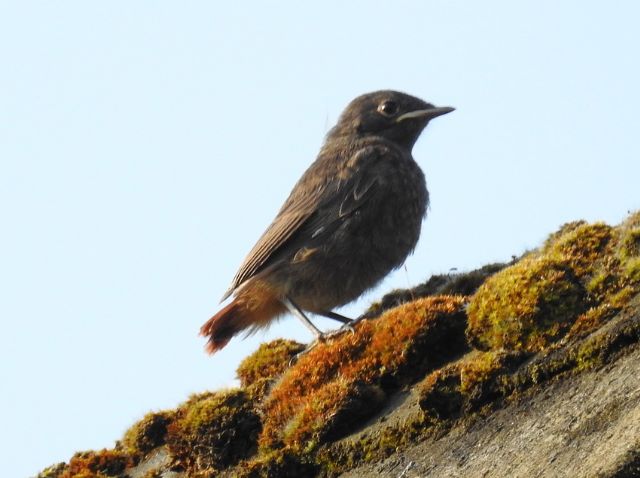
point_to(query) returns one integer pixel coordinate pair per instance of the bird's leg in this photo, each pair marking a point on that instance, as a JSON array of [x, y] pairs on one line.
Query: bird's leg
[[346, 321], [335, 316], [296, 311]]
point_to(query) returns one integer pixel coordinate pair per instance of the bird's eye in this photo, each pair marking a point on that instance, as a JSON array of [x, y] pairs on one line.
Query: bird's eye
[[388, 108]]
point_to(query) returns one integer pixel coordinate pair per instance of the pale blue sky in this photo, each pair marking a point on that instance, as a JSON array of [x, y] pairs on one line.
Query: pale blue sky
[[144, 146]]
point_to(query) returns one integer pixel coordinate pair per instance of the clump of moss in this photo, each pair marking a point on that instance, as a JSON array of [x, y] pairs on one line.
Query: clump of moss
[[331, 411], [562, 230], [440, 394], [592, 319], [582, 247], [276, 464], [579, 279], [346, 376], [597, 349], [630, 243], [53, 471], [629, 250], [147, 434], [213, 431], [98, 464], [631, 272], [526, 306], [258, 390], [465, 386], [269, 361], [482, 368], [338, 457]]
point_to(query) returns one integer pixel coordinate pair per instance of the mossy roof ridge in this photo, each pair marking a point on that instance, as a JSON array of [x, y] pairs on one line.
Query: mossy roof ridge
[[596, 401], [572, 305], [463, 393]]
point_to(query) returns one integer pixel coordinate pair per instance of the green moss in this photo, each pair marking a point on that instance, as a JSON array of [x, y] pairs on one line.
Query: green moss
[[53, 471], [336, 458], [213, 431], [465, 386], [276, 464], [630, 244], [259, 390], [440, 393], [617, 276], [582, 247], [535, 302], [631, 271], [526, 306], [147, 434], [269, 361], [592, 319], [602, 283], [565, 229], [589, 355], [480, 369], [596, 350]]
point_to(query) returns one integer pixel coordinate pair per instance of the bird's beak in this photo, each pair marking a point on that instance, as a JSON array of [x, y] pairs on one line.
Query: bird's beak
[[427, 114]]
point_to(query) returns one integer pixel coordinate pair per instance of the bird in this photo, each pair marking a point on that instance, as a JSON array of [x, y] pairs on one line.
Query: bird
[[353, 217]]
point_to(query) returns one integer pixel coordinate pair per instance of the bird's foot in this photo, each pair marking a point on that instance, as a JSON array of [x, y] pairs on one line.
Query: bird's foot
[[323, 337], [347, 327]]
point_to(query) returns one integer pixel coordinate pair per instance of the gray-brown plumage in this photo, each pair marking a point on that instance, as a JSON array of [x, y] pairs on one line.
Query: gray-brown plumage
[[353, 216]]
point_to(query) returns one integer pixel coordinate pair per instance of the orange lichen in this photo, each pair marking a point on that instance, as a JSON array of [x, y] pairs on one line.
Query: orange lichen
[[97, 464], [400, 346]]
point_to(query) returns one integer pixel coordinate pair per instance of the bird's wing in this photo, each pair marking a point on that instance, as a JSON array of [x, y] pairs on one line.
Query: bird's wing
[[283, 226], [317, 201]]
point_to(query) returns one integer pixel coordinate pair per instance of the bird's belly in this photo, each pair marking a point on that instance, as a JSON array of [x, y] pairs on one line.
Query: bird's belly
[[360, 253]]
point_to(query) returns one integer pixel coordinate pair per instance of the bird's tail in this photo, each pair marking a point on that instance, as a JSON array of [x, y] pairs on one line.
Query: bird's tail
[[253, 308]]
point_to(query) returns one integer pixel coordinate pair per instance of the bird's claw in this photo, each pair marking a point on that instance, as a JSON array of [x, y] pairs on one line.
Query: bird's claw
[[304, 352], [345, 328], [348, 327]]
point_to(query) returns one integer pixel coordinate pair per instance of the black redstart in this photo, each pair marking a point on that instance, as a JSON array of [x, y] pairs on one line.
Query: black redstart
[[353, 216]]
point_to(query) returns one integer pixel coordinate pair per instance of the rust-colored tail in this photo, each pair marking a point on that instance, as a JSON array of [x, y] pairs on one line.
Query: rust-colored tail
[[253, 308]]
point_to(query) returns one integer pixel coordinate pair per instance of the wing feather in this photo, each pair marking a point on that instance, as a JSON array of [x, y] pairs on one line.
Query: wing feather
[[318, 200], [293, 214]]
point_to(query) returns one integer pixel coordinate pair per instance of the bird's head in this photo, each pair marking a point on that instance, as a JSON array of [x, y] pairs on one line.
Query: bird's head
[[393, 115]]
